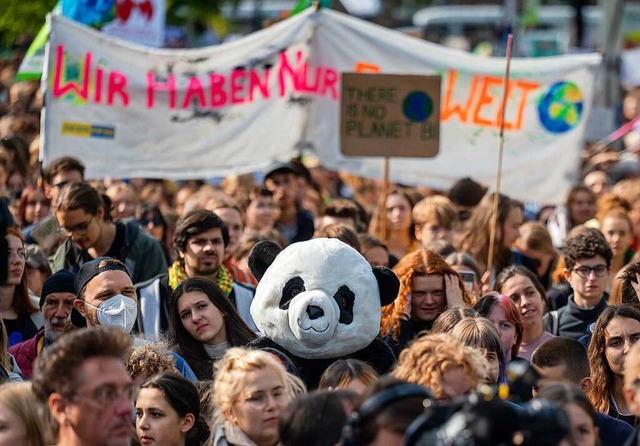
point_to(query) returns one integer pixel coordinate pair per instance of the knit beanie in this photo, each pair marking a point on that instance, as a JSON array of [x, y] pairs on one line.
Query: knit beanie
[[60, 282]]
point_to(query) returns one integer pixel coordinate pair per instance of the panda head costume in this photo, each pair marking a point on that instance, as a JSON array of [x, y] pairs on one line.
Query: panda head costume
[[320, 298]]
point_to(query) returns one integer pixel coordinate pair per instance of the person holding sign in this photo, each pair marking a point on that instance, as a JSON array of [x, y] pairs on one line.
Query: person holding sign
[[475, 239]]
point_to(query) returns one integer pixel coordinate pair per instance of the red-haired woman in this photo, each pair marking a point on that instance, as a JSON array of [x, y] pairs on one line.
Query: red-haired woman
[[22, 319], [428, 286], [32, 208]]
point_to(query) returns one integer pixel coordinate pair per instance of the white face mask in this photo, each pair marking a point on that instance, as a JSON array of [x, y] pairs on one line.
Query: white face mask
[[118, 311]]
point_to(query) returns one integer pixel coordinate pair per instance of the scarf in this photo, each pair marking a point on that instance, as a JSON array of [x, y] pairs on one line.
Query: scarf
[[177, 275], [230, 434]]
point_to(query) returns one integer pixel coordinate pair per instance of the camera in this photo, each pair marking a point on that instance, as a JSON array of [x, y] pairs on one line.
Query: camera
[[489, 418]]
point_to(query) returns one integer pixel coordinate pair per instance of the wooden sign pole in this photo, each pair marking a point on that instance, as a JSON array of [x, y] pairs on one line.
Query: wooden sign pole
[[496, 198], [382, 206]]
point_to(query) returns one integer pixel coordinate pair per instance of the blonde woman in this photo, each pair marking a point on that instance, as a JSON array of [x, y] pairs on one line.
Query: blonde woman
[[148, 360], [481, 334], [22, 416], [250, 390], [443, 364]]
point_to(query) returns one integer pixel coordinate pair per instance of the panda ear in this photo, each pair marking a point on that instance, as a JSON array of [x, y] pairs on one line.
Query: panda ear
[[388, 284], [261, 257]]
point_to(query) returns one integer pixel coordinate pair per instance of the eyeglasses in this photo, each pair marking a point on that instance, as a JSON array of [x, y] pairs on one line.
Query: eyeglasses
[[79, 228], [18, 254], [584, 271], [107, 394]]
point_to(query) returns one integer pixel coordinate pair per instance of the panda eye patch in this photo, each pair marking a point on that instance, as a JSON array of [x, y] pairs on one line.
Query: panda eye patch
[[345, 298], [292, 288]]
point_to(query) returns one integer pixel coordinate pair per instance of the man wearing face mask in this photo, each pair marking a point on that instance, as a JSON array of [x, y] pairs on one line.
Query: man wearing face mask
[[56, 303], [107, 297]]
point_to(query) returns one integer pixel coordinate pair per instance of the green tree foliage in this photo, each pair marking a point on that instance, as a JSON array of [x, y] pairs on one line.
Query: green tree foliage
[[198, 14], [22, 18]]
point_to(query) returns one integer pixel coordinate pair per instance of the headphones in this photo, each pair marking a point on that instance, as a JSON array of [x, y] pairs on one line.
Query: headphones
[[375, 404]]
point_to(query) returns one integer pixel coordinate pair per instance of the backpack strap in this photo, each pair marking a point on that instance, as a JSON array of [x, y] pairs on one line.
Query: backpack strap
[[555, 323]]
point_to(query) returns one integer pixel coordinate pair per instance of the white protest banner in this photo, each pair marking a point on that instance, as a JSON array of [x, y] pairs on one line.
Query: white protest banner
[[128, 111], [630, 68], [548, 102]]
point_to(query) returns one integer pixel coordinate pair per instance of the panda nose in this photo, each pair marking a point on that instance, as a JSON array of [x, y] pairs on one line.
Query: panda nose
[[314, 312]]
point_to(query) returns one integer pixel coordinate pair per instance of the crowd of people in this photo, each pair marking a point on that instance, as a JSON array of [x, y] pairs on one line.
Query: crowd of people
[[126, 310]]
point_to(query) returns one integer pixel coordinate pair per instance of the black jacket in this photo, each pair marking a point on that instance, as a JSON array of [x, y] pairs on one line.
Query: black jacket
[[141, 254], [572, 321], [377, 354]]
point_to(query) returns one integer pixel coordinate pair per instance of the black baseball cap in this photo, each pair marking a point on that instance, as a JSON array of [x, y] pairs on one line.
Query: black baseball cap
[[87, 272], [91, 269]]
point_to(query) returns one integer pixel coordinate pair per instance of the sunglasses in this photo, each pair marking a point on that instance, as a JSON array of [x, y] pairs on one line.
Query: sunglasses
[[154, 221]]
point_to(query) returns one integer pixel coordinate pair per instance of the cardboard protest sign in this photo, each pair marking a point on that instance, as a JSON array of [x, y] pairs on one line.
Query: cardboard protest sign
[[390, 115], [46, 231]]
